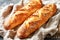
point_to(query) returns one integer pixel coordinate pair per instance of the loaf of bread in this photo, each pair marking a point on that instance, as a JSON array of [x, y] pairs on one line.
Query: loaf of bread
[[36, 20], [19, 16]]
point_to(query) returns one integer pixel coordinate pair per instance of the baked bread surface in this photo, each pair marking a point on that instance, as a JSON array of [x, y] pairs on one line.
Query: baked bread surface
[[35, 21], [19, 16]]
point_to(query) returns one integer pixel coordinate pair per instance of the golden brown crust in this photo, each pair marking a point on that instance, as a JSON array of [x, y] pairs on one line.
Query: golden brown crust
[[35, 21], [18, 17]]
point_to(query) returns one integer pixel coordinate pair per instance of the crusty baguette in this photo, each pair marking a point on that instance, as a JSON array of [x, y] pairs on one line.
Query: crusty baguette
[[18, 17], [35, 21]]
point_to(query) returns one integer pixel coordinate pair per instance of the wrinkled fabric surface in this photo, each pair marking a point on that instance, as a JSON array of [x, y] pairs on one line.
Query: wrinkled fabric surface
[[51, 27]]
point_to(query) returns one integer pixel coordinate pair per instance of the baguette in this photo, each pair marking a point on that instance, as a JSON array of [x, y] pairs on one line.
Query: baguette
[[35, 21], [23, 13]]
